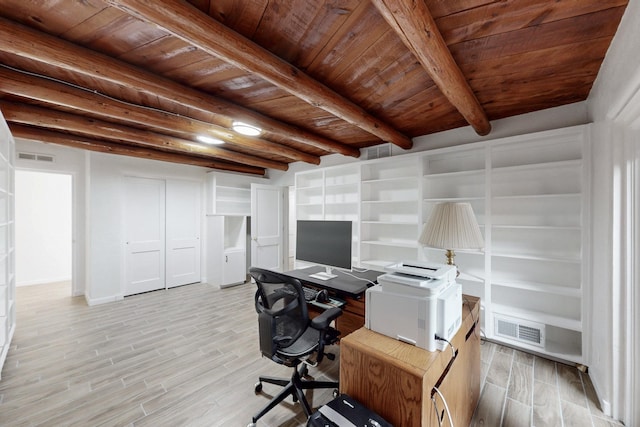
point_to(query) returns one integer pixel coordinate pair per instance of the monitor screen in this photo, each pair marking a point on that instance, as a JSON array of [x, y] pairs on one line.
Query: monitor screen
[[324, 242]]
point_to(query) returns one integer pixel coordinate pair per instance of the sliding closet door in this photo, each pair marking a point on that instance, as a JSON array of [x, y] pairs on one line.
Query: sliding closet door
[[144, 222], [183, 232]]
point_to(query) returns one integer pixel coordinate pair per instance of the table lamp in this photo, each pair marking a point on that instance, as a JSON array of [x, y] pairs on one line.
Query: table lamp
[[452, 226]]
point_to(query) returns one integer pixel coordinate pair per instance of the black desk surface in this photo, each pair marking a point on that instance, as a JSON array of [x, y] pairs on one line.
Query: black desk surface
[[344, 284]]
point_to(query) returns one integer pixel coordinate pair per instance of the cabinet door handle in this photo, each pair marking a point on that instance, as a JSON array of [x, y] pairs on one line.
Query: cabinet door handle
[[226, 258]]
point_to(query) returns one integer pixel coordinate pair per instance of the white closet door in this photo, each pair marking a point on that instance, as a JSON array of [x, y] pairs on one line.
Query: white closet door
[[183, 232], [145, 234], [267, 227]]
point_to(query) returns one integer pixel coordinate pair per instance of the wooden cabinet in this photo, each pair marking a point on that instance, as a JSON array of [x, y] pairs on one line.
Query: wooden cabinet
[[352, 317], [7, 241], [397, 380], [353, 309]]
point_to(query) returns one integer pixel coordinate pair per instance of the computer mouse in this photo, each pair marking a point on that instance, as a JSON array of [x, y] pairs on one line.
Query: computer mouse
[[322, 296]]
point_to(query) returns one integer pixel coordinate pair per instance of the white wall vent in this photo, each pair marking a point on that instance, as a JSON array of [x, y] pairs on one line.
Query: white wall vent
[[519, 330], [376, 152], [36, 157]]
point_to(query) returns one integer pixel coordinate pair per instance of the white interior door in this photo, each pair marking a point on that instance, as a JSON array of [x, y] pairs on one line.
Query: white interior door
[[144, 234], [267, 227], [183, 232]]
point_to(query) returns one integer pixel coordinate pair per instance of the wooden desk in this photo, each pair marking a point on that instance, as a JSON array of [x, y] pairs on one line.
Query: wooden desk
[[396, 379], [345, 287]]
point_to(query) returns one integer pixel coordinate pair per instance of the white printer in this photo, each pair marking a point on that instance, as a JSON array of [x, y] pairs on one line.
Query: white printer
[[414, 302]]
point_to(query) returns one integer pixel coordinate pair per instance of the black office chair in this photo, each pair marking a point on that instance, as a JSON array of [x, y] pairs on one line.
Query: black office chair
[[289, 337]]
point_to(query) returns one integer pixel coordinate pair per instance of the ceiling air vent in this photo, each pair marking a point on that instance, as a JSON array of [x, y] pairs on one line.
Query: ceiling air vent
[[376, 152], [36, 157], [519, 330]]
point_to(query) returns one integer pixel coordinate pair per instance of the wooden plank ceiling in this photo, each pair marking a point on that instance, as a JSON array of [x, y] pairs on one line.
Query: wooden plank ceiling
[[146, 77]]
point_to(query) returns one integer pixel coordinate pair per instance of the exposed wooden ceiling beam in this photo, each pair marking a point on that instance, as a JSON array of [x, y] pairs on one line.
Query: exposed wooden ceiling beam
[[413, 22], [52, 119], [198, 29], [49, 137], [25, 42], [54, 93]]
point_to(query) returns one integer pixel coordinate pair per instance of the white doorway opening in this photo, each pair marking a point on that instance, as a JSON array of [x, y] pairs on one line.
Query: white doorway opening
[[44, 224]]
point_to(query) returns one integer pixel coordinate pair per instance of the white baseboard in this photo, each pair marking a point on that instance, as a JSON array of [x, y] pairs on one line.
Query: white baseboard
[[604, 404], [104, 300], [44, 281]]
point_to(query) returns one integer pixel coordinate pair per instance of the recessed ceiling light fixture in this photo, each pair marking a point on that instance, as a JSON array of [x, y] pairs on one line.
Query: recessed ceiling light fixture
[[246, 129], [209, 140]]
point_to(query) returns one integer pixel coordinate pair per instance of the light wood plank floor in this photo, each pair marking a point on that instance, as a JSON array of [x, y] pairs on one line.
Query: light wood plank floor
[[520, 389], [189, 356]]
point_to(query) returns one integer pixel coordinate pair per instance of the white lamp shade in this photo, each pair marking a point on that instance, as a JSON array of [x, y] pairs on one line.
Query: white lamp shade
[[452, 226]]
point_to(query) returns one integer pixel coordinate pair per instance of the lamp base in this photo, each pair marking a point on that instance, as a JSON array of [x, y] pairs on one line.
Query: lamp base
[[451, 255]]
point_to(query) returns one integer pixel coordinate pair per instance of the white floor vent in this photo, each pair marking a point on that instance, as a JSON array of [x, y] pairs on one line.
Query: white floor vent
[[36, 157], [519, 330]]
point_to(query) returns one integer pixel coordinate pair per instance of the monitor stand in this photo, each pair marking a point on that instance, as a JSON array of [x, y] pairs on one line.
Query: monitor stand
[[324, 275]]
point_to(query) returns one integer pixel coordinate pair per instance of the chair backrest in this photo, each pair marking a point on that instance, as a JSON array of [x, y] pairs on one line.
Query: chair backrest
[[282, 310]]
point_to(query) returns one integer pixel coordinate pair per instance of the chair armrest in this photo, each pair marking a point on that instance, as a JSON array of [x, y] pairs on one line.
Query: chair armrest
[[322, 321]]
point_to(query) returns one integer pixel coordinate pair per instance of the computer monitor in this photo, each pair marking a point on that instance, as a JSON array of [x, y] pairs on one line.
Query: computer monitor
[[326, 243]]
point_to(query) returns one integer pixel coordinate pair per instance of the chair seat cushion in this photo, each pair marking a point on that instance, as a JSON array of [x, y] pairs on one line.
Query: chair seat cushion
[[306, 344]]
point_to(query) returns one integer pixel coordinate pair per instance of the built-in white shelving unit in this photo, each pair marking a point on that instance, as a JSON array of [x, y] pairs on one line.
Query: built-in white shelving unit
[[331, 194], [538, 235], [458, 175], [310, 195], [390, 211], [528, 193], [7, 241], [228, 212], [228, 196]]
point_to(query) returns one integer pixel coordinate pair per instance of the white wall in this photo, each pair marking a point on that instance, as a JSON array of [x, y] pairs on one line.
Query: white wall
[[43, 227], [614, 107], [552, 118], [619, 77], [614, 91], [70, 161], [105, 195], [98, 209]]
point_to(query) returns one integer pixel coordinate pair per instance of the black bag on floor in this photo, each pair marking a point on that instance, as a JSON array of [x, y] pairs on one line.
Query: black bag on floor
[[343, 411]]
